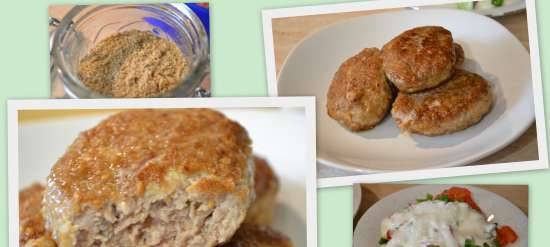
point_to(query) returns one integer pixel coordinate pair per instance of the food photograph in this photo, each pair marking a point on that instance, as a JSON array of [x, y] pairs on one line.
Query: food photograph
[[416, 87], [163, 177], [396, 215], [129, 50]]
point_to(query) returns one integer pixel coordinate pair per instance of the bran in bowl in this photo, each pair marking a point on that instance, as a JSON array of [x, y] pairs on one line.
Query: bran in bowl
[[133, 64]]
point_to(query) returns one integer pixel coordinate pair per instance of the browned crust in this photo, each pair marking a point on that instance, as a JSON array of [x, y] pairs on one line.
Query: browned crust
[[258, 236], [266, 186], [359, 96], [460, 57], [31, 223], [434, 109], [119, 157], [419, 58], [264, 177]]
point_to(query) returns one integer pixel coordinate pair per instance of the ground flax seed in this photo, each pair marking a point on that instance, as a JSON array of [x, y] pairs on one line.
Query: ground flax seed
[[132, 64]]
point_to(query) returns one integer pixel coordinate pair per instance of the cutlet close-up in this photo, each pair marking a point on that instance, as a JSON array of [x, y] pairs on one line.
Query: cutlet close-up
[[160, 177], [152, 177]]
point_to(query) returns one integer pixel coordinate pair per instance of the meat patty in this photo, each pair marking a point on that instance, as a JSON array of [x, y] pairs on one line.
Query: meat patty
[[457, 104], [359, 96], [180, 177], [258, 236], [266, 187], [419, 58]]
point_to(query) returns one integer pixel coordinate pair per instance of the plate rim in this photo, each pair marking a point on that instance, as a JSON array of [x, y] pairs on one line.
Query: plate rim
[[462, 162], [356, 188]]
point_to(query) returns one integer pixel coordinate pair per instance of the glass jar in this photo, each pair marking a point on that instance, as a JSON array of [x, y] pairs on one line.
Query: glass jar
[[84, 26]]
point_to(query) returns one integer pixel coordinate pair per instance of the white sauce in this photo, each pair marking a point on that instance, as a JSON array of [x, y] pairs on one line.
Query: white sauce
[[437, 223]]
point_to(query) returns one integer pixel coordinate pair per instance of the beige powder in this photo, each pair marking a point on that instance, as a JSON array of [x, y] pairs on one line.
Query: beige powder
[[132, 64]]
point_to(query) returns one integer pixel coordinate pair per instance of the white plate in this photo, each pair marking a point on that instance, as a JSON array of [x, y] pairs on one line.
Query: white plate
[[41, 143], [367, 232], [357, 194], [491, 50]]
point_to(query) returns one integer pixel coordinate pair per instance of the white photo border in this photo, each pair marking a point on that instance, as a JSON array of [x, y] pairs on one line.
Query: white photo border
[[13, 106], [542, 163]]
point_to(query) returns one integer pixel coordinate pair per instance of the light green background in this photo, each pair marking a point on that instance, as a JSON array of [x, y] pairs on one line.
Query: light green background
[[238, 69]]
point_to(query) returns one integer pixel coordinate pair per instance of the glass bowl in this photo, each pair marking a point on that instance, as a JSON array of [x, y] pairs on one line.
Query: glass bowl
[[86, 25]]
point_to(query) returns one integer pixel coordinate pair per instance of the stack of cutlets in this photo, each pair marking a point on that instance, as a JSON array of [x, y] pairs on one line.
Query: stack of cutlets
[[418, 76]]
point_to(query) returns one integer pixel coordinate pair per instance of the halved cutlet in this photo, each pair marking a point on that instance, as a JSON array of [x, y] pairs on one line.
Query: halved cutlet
[[152, 177], [33, 234]]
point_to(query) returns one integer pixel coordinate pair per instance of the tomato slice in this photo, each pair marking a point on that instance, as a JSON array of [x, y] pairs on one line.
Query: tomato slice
[[506, 235], [388, 235], [462, 195]]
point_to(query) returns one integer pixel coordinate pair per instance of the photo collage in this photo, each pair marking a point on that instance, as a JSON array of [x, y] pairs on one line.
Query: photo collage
[[412, 114]]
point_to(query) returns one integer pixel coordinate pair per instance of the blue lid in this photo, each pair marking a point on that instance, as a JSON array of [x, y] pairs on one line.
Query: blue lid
[[202, 11]]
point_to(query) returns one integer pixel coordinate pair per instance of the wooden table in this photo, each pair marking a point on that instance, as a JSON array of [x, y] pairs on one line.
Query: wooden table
[[372, 193], [288, 32], [57, 89]]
